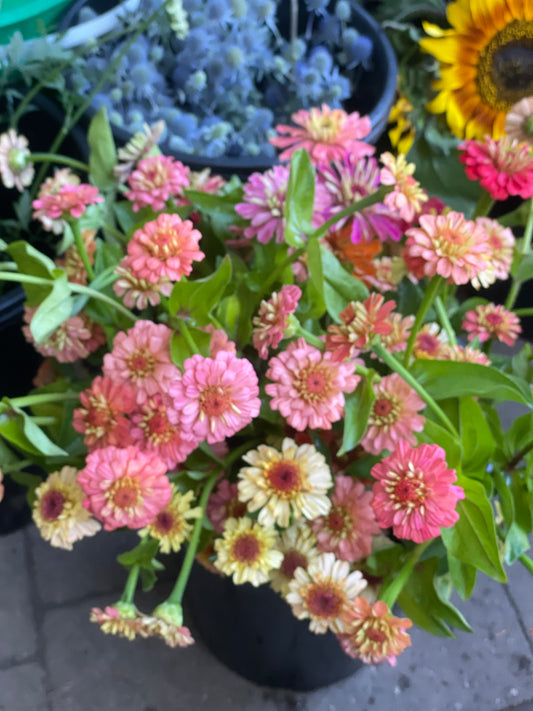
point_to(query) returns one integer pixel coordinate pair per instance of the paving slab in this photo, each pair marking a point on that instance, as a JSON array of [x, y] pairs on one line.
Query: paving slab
[[22, 689], [18, 639]]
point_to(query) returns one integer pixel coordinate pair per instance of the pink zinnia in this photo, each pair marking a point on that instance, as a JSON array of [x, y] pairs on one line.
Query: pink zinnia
[[352, 179], [219, 341], [216, 397], [136, 292], [500, 247], [415, 493], [348, 528], [326, 134], [394, 415], [124, 486], [141, 357], [164, 247], [223, 504], [52, 185], [69, 200], [361, 321], [273, 317], [503, 166], [75, 338], [407, 197], [492, 321], [155, 180], [464, 354], [308, 387], [449, 245], [153, 431], [101, 418]]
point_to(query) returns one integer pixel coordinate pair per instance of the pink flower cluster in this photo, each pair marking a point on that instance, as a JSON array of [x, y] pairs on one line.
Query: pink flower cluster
[[155, 180]]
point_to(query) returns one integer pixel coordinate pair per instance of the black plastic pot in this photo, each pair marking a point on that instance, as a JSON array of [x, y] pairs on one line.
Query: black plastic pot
[[253, 632]]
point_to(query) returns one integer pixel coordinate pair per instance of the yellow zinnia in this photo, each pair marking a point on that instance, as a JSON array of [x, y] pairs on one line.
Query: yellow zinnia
[[486, 61]]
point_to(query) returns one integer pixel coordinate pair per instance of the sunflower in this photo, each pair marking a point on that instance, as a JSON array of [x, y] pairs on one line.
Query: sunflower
[[486, 63]]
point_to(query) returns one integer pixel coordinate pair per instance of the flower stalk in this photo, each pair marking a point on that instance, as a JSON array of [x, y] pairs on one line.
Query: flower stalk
[[430, 295], [390, 591], [524, 251]]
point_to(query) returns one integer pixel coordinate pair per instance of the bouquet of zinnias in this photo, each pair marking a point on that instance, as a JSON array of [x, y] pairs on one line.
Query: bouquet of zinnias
[[279, 376]]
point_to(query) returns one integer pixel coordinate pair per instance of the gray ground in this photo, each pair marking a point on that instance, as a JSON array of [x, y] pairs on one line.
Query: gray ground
[[53, 659]]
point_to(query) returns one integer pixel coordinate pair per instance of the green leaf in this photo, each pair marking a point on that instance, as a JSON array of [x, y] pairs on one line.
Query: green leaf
[[462, 575], [314, 286], [433, 432], [472, 539], [476, 436], [340, 287], [524, 269], [196, 299], [518, 436], [103, 155], [17, 427], [447, 379], [30, 261], [180, 349], [300, 197], [357, 409], [56, 308], [142, 555]]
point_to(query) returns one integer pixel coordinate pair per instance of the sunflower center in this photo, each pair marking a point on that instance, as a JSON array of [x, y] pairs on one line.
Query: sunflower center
[[284, 477], [214, 401], [291, 561], [124, 493], [325, 600], [52, 505], [505, 67], [246, 549]]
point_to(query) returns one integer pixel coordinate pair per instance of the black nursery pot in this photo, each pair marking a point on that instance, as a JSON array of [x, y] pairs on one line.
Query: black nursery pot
[[253, 632]]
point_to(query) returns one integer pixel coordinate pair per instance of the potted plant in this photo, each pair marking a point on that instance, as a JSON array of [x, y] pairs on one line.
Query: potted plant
[[281, 382]]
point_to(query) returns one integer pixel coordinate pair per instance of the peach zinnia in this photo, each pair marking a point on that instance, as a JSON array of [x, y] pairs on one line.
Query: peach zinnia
[[394, 415], [415, 492], [373, 634], [124, 487], [278, 484], [155, 180], [70, 200], [322, 593], [298, 545], [492, 321], [308, 387], [273, 318], [164, 247]]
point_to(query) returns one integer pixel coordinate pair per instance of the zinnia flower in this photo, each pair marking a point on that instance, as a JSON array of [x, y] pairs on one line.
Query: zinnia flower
[[124, 487], [15, 169], [136, 292], [407, 197], [308, 387], [492, 321], [322, 593], [348, 528], [166, 622], [503, 166], [500, 248], [519, 121], [373, 634], [484, 66], [430, 342], [272, 321], [263, 201], [224, 503], [139, 145], [141, 357], [172, 526], [73, 339], [164, 247], [247, 551], [121, 619], [325, 133], [449, 245], [464, 354], [51, 186], [294, 481], [394, 415], [72, 262], [101, 419], [155, 180], [69, 200], [58, 510], [298, 545], [216, 397], [415, 493]]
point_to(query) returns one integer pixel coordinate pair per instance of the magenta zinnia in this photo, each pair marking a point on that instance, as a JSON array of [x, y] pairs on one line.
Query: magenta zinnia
[[308, 387], [124, 487], [415, 492]]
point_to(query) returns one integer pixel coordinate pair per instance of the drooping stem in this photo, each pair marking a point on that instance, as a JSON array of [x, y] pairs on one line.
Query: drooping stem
[[390, 592], [131, 585], [58, 158], [445, 321], [74, 224], [395, 365], [350, 210], [432, 291], [525, 249]]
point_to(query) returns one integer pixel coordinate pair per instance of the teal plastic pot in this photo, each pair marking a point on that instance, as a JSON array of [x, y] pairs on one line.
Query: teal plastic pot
[[28, 17]]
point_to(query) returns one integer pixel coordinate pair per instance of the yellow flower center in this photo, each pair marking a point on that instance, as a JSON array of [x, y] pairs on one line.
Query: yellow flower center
[[386, 410], [324, 128]]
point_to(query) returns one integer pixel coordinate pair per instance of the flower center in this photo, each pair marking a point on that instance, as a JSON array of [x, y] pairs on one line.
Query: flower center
[[428, 344], [313, 384], [284, 477], [52, 505], [338, 521], [376, 635], [407, 489], [505, 66], [157, 427], [164, 244], [246, 549], [494, 319], [100, 418], [165, 523], [140, 364], [323, 128], [17, 159], [325, 600], [124, 493], [385, 410], [291, 561], [215, 401]]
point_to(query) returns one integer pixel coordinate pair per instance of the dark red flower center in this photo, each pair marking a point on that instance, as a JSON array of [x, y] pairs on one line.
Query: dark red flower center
[[52, 505], [246, 548], [215, 401], [284, 477], [291, 561], [324, 600], [164, 522]]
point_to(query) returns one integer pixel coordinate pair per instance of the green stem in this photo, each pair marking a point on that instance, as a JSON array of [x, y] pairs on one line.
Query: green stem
[[367, 201], [57, 158], [524, 250], [181, 583], [431, 293], [44, 420], [278, 271], [131, 584], [16, 466], [392, 590], [520, 312], [309, 337], [517, 457], [484, 206], [397, 367], [445, 321], [74, 224], [42, 399], [184, 331]]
